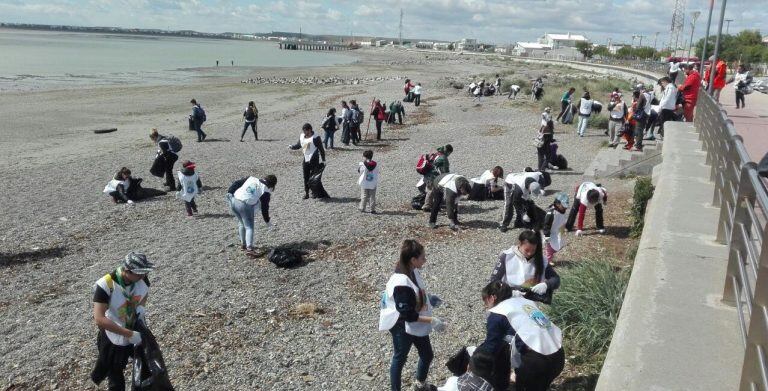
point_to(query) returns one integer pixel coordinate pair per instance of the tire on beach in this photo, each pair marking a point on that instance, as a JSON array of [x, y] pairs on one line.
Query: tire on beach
[[107, 130]]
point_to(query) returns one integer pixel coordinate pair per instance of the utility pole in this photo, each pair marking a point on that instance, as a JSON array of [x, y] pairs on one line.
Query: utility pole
[[694, 16], [401, 27], [678, 21], [728, 26], [655, 38], [641, 40], [706, 37]]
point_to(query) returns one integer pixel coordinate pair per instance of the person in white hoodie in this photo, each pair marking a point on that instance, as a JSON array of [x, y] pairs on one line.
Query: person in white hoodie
[[368, 181], [585, 111], [406, 312], [587, 194], [117, 188], [189, 186], [668, 103]]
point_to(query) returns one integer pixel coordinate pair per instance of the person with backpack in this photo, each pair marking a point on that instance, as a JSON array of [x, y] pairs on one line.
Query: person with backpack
[[251, 117], [535, 342], [368, 181], [565, 101], [640, 108], [379, 114], [617, 114], [439, 164], [741, 81], [668, 102], [518, 189], [588, 194], [167, 155], [553, 239], [244, 195], [189, 186], [448, 188], [119, 301], [198, 117], [355, 121], [406, 312], [330, 126], [117, 188], [396, 109], [524, 266], [313, 153], [585, 111]]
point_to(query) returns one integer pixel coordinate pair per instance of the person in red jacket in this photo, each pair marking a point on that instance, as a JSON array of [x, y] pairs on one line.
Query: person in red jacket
[[719, 83], [690, 90], [378, 113], [407, 89]]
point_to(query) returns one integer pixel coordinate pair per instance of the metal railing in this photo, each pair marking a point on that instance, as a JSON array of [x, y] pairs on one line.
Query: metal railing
[[743, 200]]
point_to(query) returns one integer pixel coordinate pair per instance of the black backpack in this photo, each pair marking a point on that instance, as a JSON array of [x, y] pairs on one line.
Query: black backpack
[[286, 257]]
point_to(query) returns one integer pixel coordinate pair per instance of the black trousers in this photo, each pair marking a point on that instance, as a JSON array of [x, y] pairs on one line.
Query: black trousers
[[563, 107], [438, 197], [417, 99], [310, 168], [538, 371], [378, 129], [664, 116], [673, 77], [513, 204], [739, 98], [544, 152], [111, 362], [191, 206], [170, 160], [253, 127]]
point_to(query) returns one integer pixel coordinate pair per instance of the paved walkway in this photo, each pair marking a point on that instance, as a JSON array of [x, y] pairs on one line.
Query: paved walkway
[[751, 123]]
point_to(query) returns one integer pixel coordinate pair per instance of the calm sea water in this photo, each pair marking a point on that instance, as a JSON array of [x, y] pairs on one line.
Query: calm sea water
[[41, 60]]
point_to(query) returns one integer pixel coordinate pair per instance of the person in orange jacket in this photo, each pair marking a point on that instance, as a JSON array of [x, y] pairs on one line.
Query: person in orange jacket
[[690, 90]]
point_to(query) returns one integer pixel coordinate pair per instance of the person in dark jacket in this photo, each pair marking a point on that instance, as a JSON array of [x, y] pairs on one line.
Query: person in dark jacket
[[546, 135], [243, 197], [165, 148], [396, 109], [406, 312], [251, 118], [379, 114], [330, 126], [314, 155], [198, 117], [448, 188], [524, 266], [565, 101]]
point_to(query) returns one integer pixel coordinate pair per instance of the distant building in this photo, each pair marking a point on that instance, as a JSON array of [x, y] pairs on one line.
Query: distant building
[[530, 49], [765, 40], [425, 45], [614, 47], [503, 50], [466, 45], [556, 41], [443, 46], [486, 47]]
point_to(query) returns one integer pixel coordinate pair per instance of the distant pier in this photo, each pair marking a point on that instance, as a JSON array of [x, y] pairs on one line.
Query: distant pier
[[296, 45]]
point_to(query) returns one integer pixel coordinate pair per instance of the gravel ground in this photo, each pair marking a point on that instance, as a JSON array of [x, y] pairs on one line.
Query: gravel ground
[[226, 321]]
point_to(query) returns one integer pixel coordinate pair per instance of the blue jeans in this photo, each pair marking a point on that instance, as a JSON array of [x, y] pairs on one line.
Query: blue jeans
[[244, 215], [329, 134], [582, 124], [199, 129], [402, 342]]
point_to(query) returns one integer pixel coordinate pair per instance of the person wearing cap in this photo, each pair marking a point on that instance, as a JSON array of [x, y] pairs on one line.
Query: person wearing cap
[[119, 299], [690, 90], [585, 111], [189, 186], [524, 266], [587, 194], [314, 154], [552, 232], [243, 196], [518, 189], [617, 114]]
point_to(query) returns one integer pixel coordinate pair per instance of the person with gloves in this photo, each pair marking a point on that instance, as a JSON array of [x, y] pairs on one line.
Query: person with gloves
[[518, 189], [535, 342], [368, 181], [552, 232], [119, 299], [524, 266], [406, 312], [314, 154], [243, 196], [117, 188], [448, 188], [587, 194]]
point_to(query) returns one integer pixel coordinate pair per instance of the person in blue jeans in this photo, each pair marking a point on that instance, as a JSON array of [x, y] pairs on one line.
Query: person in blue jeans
[[198, 116], [330, 126], [406, 312], [243, 196]]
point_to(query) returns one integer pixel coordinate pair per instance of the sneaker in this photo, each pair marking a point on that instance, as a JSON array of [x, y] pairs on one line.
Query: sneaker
[[578, 232], [432, 225], [453, 227], [423, 387], [373, 212], [503, 228], [601, 231], [204, 136], [306, 196], [242, 141]]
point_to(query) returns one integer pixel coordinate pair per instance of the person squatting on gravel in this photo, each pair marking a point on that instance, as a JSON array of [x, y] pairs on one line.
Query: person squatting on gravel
[[314, 154], [587, 194], [251, 117], [536, 343], [368, 181], [330, 126], [396, 109], [488, 186], [119, 299], [440, 165], [552, 232], [198, 117], [524, 266], [448, 188], [168, 148], [379, 114], [518, 188], [406, 311], [189, 186], [243, 196], [117, 188]]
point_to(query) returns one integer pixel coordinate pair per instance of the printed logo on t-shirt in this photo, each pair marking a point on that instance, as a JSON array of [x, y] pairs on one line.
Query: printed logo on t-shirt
[[369, 177], [537, 316]]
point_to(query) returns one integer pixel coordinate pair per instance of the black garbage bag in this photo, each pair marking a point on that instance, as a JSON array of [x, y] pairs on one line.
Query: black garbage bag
[[417, 202], [316, 184], [536, 215], [546, 180], [149, 371], [560, 162], [158, 166], [137, 192], [191, 123], [286, 257]]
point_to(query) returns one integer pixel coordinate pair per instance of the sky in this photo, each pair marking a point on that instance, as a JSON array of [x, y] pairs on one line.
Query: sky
[[492, 21]]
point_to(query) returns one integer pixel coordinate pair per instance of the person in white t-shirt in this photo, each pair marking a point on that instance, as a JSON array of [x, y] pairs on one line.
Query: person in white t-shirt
[[417, 94], [368, 181]]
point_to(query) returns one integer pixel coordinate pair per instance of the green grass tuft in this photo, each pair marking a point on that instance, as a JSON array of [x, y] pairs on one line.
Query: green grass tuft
[[643, 193]]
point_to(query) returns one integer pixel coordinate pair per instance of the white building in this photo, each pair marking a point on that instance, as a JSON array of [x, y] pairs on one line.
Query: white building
[[442, 46], [467, 45], [556, 41], [425, 45], [530, 48]]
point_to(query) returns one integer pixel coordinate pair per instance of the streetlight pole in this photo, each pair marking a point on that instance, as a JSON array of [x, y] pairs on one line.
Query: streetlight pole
[[706, 37], [728, 26], [712, 65], [655, 38], [694, 16]]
